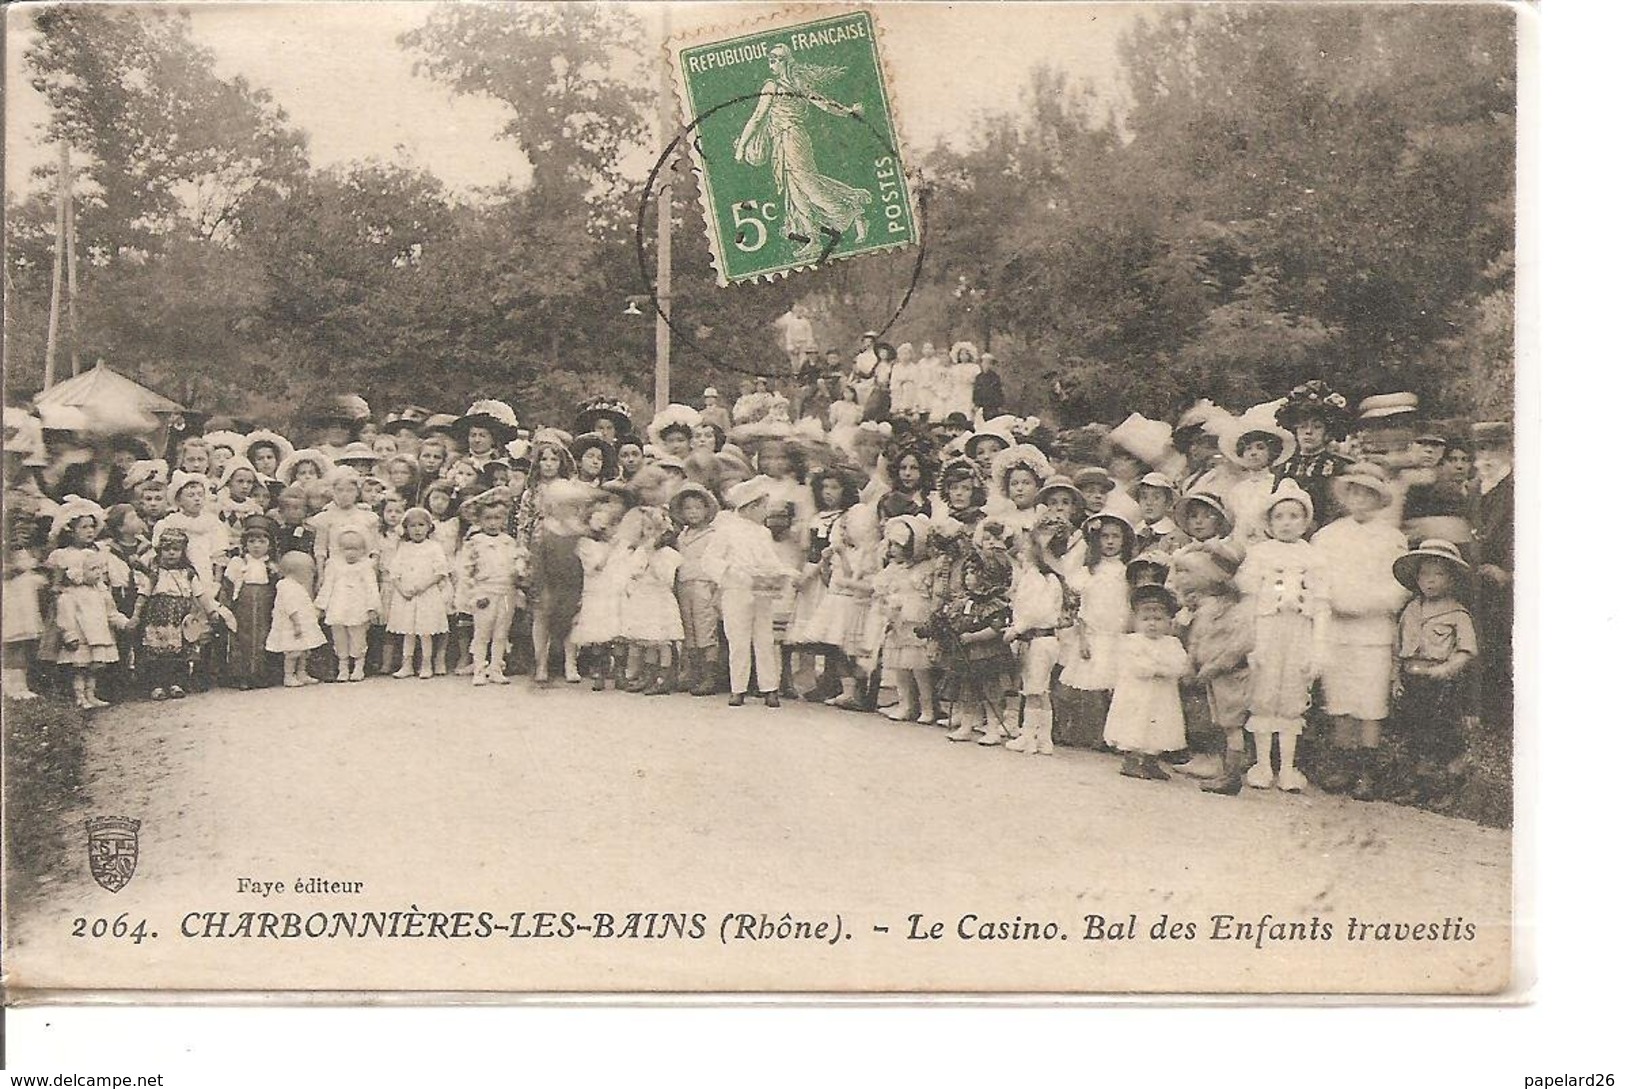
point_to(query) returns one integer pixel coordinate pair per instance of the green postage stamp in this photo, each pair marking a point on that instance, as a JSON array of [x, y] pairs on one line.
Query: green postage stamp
[[795, 145]]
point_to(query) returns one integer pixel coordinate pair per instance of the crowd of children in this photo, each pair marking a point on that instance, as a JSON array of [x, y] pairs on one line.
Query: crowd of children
[[1161, 591]]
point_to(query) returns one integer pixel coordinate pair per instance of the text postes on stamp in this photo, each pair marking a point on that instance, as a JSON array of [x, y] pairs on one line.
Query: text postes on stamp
[[796, 148]]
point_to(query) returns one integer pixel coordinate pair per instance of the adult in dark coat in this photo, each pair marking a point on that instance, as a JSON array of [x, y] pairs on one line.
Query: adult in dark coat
[[987, 393]]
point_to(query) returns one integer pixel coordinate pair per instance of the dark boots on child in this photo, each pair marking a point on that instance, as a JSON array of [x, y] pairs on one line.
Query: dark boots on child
[[664, 681], [1139, 765], [1229, 781]]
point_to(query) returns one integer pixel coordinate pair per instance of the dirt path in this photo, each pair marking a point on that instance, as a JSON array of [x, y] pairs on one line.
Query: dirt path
[[506, 800]]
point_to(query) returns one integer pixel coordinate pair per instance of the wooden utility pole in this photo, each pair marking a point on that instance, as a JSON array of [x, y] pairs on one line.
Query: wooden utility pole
[[663, 234], [57, 266], [72, 277]]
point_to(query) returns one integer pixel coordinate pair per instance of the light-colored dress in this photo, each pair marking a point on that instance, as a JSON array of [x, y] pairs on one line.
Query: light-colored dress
[[1365, 599], [448, 534], [349, 592], [1284, 587], [847, 414], [1037, 605], [421, 569], [800, 498], [810, 588], [23, 617], [930, 384], [1103, 619], [649, 612], [84, 606], [903, 593], [1146, 715], [389, 541], [294, 626], [903, 377], [603, 586], [961, 388], [847, 591], [1247, 499]]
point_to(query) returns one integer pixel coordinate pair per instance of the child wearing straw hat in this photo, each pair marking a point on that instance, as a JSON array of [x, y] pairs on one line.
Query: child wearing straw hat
[[1434, 645], [1357, 552]]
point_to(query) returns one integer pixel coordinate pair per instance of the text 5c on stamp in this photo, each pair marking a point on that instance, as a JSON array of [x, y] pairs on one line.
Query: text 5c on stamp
[[796, 148]]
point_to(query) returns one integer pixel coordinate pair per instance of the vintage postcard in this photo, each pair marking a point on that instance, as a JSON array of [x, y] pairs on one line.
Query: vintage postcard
[[673, 499]]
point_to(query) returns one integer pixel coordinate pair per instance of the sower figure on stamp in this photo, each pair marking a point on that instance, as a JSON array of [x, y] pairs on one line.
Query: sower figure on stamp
[[777, 131]]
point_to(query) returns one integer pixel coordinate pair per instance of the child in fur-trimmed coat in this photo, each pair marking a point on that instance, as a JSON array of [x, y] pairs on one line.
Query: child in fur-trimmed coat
[[1218, 639]]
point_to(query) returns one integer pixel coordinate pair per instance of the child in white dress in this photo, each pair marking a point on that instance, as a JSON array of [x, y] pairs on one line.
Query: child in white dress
[[295, 628], [85, 613], [419, 576], [651, 623], [349, 601], [603, 585], [381, 649], [343, 513], [903, 591], [441, 503], [1146, 717], [1253, 454], [1103, 617]]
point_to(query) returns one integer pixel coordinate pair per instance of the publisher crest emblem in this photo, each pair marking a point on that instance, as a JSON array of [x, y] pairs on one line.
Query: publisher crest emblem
[[114, 846]]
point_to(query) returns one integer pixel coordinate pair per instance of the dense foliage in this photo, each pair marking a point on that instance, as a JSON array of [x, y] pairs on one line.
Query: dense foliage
[[1284, 193]]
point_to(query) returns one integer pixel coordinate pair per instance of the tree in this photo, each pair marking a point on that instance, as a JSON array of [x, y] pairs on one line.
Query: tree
[[172, 146], [173, 152], [1291, 193], [555, 66]]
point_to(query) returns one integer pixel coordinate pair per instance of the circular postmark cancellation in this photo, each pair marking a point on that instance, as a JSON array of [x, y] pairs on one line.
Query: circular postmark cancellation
[[830, 248], [767, 230], [796, 149]]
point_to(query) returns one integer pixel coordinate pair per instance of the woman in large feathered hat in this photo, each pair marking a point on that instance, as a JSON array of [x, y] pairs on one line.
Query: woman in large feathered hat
[[1316, 416], [609, 419]]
